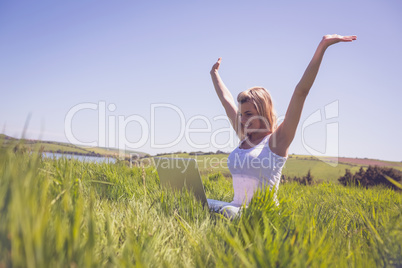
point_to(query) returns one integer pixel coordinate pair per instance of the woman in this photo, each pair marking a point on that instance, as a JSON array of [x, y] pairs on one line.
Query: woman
[[264, 146]]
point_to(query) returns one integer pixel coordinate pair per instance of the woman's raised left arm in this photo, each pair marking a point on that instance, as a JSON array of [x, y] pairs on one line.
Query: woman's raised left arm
[[284, 134]]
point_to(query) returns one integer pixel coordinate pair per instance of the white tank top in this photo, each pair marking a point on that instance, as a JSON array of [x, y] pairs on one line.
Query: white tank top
[[252, 169]]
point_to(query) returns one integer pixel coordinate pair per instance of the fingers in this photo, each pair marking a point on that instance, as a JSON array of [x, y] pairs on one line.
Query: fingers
[[215, 67], [330, 36], [218, 63], [349, 37]]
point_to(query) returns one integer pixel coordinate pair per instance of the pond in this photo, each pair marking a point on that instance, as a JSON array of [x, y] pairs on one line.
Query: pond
[[95, 159]]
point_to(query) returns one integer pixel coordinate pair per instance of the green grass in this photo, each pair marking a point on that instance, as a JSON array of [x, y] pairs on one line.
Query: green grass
[[112, 151], [53, 147], [320, 170], [67, 213]]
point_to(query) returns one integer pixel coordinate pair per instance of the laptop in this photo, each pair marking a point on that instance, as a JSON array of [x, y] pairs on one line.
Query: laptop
[[179, 173]]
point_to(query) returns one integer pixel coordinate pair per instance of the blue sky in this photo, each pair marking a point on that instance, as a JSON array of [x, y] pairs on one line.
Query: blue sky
[[131, 55]]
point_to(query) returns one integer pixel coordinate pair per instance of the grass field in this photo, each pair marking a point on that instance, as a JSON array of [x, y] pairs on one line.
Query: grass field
[[67, 213]]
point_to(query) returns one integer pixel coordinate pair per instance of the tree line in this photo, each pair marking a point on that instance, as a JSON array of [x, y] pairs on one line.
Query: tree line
[[372, 176]]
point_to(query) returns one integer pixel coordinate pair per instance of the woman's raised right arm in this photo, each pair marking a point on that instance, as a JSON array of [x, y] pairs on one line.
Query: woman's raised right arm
[[224, 94]]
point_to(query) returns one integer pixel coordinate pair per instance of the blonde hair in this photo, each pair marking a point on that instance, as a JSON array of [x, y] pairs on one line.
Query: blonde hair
[[262, 101]]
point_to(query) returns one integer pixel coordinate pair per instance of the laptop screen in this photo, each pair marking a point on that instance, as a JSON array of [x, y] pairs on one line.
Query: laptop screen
[[179, 173]]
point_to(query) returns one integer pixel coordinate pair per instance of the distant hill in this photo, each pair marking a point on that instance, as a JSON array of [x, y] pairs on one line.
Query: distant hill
[[63, 148]]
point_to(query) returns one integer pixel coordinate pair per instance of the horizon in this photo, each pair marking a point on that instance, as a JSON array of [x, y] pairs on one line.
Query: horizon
[[136, 74], [212, 152]]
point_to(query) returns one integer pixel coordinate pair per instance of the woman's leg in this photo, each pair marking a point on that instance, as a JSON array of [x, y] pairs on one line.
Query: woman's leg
[[230, 212]]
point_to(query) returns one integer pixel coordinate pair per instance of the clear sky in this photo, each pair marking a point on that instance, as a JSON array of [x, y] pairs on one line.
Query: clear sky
[[125, 57]]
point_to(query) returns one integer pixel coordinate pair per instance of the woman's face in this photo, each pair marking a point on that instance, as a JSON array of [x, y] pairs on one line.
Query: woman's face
[[249, 118]]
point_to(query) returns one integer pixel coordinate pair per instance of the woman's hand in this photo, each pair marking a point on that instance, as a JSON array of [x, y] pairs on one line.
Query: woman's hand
[[331, 39], [215, 67]]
